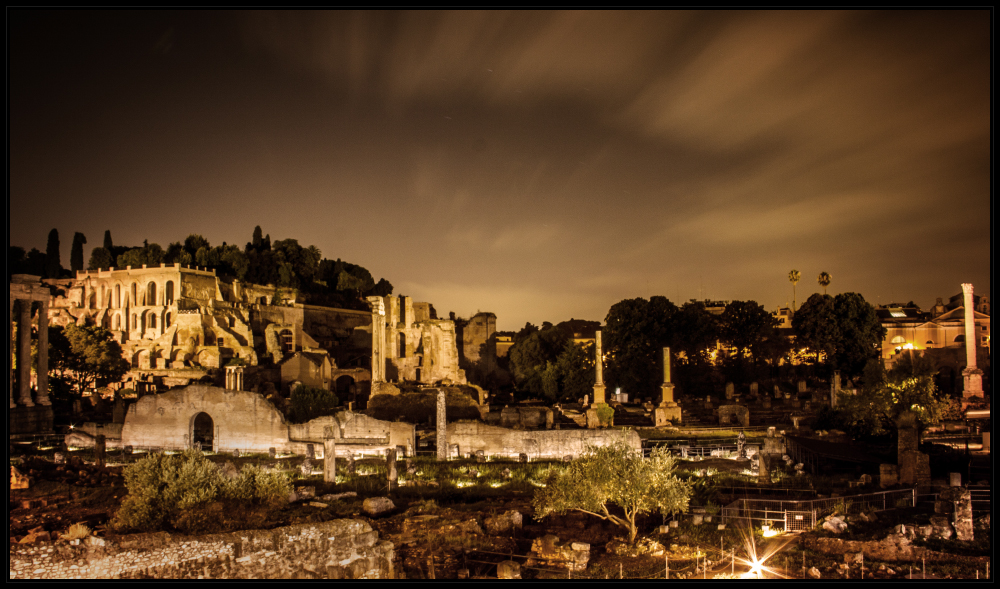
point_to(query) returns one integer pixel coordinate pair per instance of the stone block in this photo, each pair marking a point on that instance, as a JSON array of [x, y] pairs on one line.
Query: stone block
[[378, 505], [665, 416]]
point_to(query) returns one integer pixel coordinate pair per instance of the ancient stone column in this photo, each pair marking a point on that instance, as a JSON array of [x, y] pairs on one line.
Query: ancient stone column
[[972, 376], [668, 409], [42, 398], [666, 365], [378, 339], [329, 456], [390, 468], [24, 354], [599, 385], [835, 388], [442, 426]]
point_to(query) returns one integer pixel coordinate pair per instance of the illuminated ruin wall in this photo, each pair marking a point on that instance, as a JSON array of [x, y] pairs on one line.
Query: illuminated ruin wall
[[338, 549]]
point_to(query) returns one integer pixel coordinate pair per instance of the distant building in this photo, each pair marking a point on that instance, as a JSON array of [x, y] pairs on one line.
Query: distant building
[[505, 339], [909, 328], [581, 331]]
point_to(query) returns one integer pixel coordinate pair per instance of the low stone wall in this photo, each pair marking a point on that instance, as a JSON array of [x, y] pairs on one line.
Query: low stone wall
[[338, 549], [893, 548], [472, 436]]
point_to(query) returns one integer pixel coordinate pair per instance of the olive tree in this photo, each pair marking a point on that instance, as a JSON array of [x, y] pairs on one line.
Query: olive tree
[[616, 484]]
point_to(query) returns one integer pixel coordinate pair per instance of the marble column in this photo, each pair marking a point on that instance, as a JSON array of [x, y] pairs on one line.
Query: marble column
[[972, 376], [42, 398], [24, 353], [599, 385]]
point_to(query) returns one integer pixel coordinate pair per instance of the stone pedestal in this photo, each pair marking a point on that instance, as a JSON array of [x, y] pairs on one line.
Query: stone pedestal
[[972, 383], [667, 415], [594, 419], [668, 409], [599, 394]]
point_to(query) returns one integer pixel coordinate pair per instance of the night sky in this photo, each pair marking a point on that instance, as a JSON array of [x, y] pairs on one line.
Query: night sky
[[540, 165]]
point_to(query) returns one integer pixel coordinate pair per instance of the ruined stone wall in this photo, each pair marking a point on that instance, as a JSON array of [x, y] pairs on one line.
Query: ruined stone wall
[[338, 549], [478, 332], [379, 435], [472, 437], [418, 349], [242, 420]]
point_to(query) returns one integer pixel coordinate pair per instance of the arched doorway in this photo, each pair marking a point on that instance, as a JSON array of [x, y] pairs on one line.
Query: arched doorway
[[203, 431]]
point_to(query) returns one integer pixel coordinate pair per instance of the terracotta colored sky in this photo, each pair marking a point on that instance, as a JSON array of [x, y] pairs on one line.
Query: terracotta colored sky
[[540, 165]]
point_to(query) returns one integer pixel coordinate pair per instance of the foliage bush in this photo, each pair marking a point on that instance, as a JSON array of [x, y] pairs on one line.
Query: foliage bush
[[189, 493], [307, 403]]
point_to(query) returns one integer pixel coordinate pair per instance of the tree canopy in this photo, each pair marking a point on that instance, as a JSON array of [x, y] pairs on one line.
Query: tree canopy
[[635, 333], [845, 329], [76, 253], [884, 395], [615, 475], [533, 358], [85, 356], [861, 333], [307, 403], [53, 268], [286, 264]]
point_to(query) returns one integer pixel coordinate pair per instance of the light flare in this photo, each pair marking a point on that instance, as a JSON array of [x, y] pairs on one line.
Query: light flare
[[757, 557]]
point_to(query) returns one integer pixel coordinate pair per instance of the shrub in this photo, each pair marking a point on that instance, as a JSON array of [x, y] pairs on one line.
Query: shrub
[[189, 493], [307, 403]]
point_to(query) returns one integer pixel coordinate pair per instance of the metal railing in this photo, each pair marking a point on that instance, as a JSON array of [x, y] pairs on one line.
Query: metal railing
[[803, 514]]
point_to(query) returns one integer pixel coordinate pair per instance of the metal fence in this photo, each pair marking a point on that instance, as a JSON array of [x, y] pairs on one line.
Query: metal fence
[[804, 514]]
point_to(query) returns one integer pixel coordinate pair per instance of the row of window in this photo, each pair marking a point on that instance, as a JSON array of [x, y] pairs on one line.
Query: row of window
[[117, 302]]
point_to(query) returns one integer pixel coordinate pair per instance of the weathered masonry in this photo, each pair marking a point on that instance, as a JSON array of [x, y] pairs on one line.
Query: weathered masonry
[[338, 549], [223, 420]]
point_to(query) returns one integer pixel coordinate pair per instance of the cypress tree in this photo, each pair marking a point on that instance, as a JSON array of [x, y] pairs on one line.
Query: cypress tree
[[53, 267], [257, 237], [76, 253], [107, 240]]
